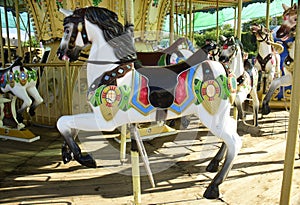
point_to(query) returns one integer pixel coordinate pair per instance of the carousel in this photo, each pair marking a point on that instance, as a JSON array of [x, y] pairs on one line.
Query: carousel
[[100, 67]]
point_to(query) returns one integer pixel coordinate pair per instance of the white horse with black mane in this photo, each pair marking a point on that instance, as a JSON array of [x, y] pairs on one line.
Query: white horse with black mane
[[231, 56], [120, 93]]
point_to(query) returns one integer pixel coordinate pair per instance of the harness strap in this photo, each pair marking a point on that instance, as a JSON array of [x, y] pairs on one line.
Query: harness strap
[[263, 61], [110, 77]]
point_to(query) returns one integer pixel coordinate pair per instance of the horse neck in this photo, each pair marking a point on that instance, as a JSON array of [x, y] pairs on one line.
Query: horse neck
[[99, 51], [264, 49], [237, 63]]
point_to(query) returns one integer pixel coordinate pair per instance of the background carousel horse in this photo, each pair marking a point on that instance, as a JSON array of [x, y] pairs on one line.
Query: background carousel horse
[[231, 56], [212, 50], [21, 82], [267, 60], [285, 35], [143, 94]]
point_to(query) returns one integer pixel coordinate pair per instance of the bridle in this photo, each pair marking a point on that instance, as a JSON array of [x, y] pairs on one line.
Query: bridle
[[79, 26]]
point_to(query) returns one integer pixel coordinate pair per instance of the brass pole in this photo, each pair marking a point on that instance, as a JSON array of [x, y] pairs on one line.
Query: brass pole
[[235, 22], [186, 19], [18, 28], [268, 15], [177, 24], [29, 37], [239, 26], [7, 32], [1, 43], [217, 21], [172, 8], [190, 20], [293, 125]]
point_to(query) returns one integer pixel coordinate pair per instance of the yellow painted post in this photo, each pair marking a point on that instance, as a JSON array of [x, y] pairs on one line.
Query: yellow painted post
[[217, 21], [1, 43], [268, 14], [239, 26], [123, 144], [136, 182], [190, 19], [172, 8], [68, 88], [20, 53], [7, 32], [186, 19], [293, 125]]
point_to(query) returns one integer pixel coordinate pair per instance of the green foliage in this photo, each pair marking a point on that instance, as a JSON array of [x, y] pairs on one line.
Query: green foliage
[[248, 40], [225, 30], [34, 43]]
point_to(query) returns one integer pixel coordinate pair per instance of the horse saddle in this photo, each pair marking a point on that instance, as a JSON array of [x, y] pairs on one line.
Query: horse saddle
[[162, 80]]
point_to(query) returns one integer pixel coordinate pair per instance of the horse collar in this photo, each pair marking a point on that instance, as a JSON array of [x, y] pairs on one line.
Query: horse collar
[[263, 61]]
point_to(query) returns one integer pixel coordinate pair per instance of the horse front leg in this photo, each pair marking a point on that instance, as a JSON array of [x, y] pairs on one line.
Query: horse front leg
[[233, 146], [33, 92], [213, 166], [68, 126], [20, 92]]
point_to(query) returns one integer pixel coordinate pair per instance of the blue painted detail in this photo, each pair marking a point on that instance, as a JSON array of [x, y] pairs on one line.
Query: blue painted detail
[[190, 95], [139, 106]]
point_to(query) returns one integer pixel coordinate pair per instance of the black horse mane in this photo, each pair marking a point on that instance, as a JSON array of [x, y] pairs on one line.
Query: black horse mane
[[118, 36], [114, 32]]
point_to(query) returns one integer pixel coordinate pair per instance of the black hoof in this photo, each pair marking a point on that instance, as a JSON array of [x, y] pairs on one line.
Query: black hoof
[[212, 192], [31, 111], [66, 155], [20, 118], [87, 161], [265, 109], [212, 166]]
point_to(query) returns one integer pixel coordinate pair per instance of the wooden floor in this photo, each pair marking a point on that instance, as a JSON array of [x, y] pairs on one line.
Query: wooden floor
[[33, 173]]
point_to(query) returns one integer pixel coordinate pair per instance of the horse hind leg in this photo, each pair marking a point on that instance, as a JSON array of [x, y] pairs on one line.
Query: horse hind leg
[[213, 166]]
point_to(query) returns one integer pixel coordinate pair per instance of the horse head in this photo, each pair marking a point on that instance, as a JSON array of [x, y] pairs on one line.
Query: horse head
[[261, 33], [288, 26], [79, 32]]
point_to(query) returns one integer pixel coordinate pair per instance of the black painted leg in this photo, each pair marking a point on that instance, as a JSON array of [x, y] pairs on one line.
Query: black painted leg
[[213, 166]]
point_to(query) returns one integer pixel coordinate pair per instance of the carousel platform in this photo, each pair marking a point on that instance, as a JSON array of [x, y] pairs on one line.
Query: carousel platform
[[33, 173]]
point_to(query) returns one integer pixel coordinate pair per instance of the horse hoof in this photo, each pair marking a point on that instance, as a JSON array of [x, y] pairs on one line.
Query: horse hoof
[[31, 112], [87, 161], [212, 192], [212, 167], [265, 109], [20, 118], [66, 155]]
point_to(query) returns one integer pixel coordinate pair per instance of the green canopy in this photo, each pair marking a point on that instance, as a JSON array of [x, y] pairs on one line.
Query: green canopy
[[205, 20]]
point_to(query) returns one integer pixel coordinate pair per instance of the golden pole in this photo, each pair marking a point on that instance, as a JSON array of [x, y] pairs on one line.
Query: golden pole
[[186, 19], [268, 14], [172, 8], [217, 20], [29, 37], [293, 125], [176, 15], [7, 32], [239, 26], [1, 43], [18, 28], [190, 15]]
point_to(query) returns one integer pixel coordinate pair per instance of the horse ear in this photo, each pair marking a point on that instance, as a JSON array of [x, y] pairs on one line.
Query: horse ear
[[66, 12], [295, 6], [222, 38], [285, 7]]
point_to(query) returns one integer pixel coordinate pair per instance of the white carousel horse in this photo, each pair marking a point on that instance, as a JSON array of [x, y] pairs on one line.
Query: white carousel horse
[[21, 82], [286, 32], [135, 95], [231, 57], [267, 60]]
